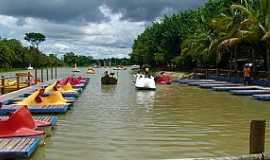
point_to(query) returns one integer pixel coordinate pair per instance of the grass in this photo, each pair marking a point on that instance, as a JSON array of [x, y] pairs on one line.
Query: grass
[[10, 69]]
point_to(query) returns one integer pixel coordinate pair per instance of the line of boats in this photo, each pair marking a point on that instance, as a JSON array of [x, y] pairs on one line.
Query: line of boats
[[20, 123], [148, 82], [142, 81], [91, 70]]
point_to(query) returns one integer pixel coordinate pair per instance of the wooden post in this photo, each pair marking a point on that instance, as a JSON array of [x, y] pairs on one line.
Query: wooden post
[[3, 85], [41, 75], [206, 73], [55, 73], [29, 78], [36, 76], [18, 82], [47, 70], [51, 72], [257, 136], [216, 71]]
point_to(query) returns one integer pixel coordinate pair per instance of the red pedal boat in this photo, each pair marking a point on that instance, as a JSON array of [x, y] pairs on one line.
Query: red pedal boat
[[20, 124], [163, 79], [71, 80]]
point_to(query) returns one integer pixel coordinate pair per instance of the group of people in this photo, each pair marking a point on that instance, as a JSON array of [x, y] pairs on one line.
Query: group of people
[[145, 72], [109, 75]]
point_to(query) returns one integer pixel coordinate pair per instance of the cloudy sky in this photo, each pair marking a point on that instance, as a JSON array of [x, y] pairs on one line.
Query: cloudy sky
[[100, 28]]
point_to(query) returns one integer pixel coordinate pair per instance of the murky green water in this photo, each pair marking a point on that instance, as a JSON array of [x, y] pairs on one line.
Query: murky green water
[[176, 121]]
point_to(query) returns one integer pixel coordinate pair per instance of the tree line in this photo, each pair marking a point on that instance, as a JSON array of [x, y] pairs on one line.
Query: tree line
[[14, 55], [113, 61], [222, 33]]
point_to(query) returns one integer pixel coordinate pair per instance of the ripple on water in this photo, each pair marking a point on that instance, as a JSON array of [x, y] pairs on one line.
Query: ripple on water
[[176, 121]]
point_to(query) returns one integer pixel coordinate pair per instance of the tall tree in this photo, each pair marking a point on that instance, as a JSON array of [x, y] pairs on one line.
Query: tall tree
[[34, 38]]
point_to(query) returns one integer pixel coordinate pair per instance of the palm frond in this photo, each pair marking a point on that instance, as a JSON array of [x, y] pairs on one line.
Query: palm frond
[[247, 23], [228, 43], [266, 37], [242, 9]]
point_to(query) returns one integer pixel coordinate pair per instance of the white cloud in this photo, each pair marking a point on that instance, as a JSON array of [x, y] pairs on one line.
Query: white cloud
[[111, 38], [60, 46]]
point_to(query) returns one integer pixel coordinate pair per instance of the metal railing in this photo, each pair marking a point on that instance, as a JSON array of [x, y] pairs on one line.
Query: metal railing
[[25, 79], [229, 74]]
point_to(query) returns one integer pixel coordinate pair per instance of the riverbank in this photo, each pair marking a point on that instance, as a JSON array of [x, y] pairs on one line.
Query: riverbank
[[177, 74], [3, 70], [174, 74]]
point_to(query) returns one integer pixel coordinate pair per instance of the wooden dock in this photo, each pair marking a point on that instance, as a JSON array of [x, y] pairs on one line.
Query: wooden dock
[[236, 88], [23, 147], [262, 97], [209, 86], [258, 92], [185, 81], [249, 92], [9, 100], [201, 83], [54, 109], [11, 148], [50, 119]]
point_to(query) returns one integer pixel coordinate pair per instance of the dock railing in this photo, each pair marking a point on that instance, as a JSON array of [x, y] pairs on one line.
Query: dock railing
[[206, 72], [25, 79], [258, 77]]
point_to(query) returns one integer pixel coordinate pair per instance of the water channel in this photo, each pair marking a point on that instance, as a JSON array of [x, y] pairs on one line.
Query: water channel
[[175, 121]]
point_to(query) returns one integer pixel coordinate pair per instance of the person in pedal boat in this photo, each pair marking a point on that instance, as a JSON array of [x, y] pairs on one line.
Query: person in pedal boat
[[147, 73], [106, 74], [112, 75]]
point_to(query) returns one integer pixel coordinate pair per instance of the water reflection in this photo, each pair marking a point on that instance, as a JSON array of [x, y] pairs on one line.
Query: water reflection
[[146, 98], [108, 88], [173, 122]]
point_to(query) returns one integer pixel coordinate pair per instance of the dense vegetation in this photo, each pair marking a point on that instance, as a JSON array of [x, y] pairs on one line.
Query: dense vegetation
[[112, 61], [14, 55], [222, 33], [71, 58]]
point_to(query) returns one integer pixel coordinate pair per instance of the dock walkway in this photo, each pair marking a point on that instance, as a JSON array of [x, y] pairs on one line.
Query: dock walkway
[[11, 148], [23, 147], [257, 92]]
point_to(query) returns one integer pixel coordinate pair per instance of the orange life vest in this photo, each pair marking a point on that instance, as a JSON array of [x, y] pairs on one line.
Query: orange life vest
[[247, 72]]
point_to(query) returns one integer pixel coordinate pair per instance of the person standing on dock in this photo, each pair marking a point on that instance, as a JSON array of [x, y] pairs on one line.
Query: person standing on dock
[[247, 74]]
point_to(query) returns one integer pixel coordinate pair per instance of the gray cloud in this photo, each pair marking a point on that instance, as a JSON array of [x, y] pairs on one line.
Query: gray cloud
[[101, 28], [87, 10], [148, 10], [54, 10]]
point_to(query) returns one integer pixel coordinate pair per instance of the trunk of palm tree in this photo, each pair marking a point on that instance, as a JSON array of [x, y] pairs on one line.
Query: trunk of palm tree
[[235, 58], [268, 62], [253, 60]]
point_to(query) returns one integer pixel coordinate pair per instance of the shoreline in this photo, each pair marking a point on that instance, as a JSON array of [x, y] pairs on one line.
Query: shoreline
[[174, 74], [4, 70]]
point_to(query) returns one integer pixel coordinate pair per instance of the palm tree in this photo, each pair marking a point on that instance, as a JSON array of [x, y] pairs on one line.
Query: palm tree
[[249, 22], [255, 26], [226, 28]]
